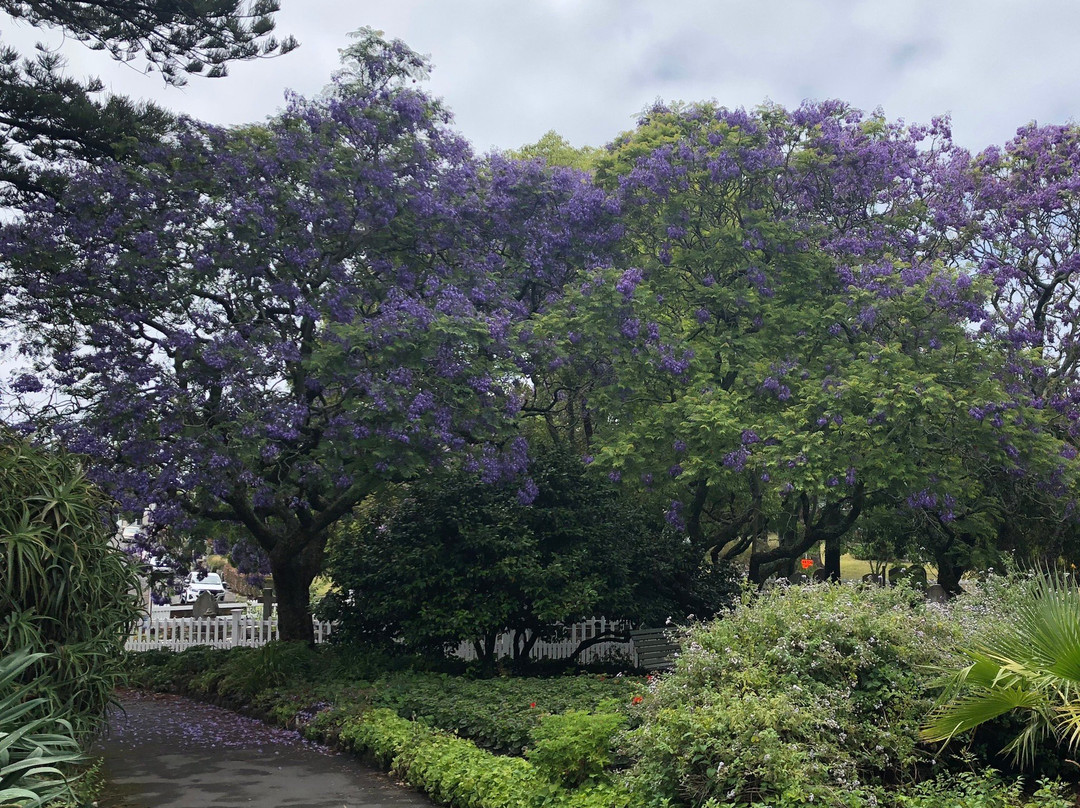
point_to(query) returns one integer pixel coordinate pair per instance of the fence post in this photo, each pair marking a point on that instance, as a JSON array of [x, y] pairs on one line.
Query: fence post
[[235, 628]]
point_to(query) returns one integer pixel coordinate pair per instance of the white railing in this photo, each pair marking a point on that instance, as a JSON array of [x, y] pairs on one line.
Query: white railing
[[178, 633], [229, 631], [564, 649]]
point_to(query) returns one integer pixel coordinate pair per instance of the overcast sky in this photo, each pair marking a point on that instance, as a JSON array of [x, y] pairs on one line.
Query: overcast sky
[[510, 70]]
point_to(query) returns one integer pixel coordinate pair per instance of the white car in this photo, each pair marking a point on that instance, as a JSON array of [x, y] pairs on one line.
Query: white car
[[160, 563], [198, 583]]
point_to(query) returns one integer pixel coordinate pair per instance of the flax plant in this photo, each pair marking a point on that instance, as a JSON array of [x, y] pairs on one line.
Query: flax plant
[[66, 592], [32, 750], [1030, 665]]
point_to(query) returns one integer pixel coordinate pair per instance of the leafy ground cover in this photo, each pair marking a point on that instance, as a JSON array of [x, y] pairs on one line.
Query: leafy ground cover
[[805, 696]]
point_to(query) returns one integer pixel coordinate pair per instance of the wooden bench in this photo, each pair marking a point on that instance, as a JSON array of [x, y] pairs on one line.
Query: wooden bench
[[654, 648]]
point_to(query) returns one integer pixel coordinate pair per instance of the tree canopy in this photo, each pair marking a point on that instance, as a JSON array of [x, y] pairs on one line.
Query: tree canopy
[[782, 342], [49, 119], [779, 323], [261, 326]]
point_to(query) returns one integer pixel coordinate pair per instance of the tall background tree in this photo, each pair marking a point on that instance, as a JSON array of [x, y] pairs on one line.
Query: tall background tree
[[49, 120], [784, 343]]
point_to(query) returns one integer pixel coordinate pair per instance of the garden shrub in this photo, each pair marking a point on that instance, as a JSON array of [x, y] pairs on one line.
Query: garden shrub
[[574, 747], [272, 666], [801, 693], [980, 790], [698, 727]]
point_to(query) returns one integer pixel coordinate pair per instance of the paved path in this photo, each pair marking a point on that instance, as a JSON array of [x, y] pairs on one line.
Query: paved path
[[170, 752]]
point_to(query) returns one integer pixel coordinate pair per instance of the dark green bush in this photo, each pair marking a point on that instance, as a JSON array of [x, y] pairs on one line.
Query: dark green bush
[[272, 666], [408, 567]]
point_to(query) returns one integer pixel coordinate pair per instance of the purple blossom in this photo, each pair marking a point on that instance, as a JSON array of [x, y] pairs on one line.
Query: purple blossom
[[674, 517], [528, 492], [628, 282], [736, 460], [27, 383]]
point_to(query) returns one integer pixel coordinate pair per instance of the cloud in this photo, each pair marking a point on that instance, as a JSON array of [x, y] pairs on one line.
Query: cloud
[[512, 71]]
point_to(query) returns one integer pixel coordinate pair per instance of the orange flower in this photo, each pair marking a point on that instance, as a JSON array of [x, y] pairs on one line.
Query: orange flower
[[807, 563], [637, 700]]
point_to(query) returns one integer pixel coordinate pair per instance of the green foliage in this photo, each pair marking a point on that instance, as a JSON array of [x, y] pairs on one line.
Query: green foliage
[[1029, 665], [65, 590], [793, 692], [409, 567], [555, 150], [984, 790], [454, 771], [804, 691], [498, 714], [34, 741], [768, 383], [274, 665], [574, 747]]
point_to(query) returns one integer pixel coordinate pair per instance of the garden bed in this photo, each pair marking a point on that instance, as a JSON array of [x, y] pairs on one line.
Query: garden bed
[[807, 697]]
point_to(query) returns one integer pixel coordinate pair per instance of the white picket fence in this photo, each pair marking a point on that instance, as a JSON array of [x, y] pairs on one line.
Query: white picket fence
[[564, 649], [178, 633]]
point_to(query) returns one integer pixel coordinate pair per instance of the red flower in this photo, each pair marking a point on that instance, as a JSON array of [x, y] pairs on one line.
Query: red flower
[[637, 700], [807, 563], [532, 704]]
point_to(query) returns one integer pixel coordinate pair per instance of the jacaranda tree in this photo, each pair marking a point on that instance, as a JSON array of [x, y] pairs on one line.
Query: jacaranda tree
[[263, 325], [783, 344], [1023, 237]]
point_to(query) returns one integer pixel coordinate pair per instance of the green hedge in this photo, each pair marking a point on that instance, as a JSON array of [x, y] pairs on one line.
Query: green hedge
[[454, 771]]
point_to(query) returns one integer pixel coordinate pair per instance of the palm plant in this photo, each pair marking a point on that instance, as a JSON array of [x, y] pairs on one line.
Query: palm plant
[[31, 748], [1030, 665]]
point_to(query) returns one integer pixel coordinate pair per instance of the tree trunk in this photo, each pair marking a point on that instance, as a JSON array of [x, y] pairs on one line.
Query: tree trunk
[[804, 527], [487, 659], [292, 588], [832, 558], [949, 574], [524, 640]]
